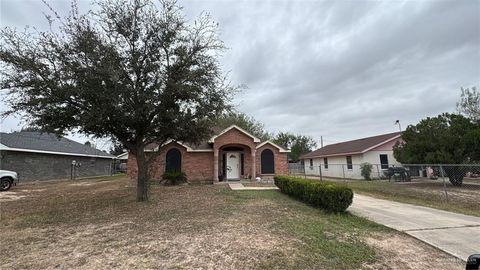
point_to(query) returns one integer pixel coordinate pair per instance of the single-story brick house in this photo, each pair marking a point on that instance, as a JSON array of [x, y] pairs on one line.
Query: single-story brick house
[[43, 156], [231, 154], [342, 160]]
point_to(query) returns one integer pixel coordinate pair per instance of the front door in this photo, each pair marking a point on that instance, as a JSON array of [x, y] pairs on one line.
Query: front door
[[233, 165]]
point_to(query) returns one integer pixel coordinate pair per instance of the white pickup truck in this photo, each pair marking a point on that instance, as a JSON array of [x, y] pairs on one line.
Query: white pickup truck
[[7, 179]]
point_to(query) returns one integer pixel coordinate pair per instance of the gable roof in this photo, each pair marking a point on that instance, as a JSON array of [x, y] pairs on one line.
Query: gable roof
[[282, 150], [255, 139], [46, 143], [358, 146]]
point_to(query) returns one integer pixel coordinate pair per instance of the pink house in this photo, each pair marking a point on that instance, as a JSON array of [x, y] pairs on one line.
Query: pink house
[[342, 160]]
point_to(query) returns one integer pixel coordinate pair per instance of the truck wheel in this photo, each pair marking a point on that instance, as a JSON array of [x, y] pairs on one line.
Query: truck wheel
[[5, 184]]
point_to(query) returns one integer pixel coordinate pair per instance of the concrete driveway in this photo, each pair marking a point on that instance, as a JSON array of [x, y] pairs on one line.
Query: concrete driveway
[[456, 234]]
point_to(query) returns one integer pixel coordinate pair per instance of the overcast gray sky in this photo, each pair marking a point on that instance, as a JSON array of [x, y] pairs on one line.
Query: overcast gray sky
[[337, 69]]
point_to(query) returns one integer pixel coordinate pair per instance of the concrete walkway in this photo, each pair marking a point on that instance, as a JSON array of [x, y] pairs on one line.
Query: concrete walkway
[[240, 186], [456, 234]]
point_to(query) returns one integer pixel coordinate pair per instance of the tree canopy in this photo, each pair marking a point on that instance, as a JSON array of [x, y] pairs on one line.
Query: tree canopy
[[298, 144], [135, 71], [116, 148], [469, 104], [445, 139], [245, 122]]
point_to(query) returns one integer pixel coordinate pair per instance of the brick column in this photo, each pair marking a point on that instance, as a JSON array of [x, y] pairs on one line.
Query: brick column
[[215, 165], [254, 162]]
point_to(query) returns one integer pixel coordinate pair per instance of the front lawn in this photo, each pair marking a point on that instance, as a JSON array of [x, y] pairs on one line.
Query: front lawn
[[92, 224]]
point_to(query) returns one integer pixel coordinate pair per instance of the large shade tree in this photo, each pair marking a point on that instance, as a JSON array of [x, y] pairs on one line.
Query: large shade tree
[[297, 143], [135, 71], [445, 139]]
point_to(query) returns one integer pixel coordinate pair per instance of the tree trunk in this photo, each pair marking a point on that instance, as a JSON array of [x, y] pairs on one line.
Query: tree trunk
[[142, 175]]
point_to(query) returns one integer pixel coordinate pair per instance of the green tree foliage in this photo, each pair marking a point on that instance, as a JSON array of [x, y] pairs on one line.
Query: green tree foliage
[[32, 128], [136, 71], [298, 144], [445, 139], [245, 122], [469, 104], [116, 148]]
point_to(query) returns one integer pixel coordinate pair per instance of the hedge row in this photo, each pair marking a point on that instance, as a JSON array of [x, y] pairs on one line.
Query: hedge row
[[328, 196]]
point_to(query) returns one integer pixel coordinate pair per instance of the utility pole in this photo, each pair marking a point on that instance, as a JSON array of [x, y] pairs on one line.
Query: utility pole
[[399, 125], [321, 141]]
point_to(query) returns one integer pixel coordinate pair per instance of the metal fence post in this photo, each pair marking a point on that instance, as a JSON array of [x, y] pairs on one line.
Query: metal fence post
[[320, 170], [444, 184]]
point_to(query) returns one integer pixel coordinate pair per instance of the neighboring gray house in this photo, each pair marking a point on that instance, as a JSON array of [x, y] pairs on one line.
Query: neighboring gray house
[[44, 156]]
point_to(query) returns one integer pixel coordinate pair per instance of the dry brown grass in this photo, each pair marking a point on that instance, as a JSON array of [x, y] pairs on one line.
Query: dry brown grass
[[93, 224]]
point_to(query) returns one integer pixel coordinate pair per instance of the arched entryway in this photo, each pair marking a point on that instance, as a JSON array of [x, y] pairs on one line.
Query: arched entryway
[[235, 162]]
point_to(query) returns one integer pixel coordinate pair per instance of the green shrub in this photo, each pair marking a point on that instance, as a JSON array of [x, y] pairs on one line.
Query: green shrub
[[366, 170], [174, 177], [328, 196]]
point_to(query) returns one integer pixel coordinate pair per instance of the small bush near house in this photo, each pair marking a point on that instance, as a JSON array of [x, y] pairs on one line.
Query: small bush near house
[[328, 196], [174, 178], [366, 170]]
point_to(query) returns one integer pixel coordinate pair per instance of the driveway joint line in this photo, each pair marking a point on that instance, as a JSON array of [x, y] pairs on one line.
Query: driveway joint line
[[441, 228]]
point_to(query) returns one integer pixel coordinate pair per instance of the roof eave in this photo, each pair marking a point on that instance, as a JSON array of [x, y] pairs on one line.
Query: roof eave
[[281, 149], [332, 155], [6, 148], [354, 153]]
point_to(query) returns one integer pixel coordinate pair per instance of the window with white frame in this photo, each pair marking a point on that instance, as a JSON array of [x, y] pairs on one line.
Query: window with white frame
[[384, 161], [349, 163]]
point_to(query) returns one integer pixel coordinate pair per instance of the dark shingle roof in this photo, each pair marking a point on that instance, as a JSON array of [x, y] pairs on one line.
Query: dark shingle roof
[[38, 141], [355, 146]]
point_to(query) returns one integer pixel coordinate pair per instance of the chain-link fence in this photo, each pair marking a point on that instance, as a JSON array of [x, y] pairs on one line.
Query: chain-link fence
[[457, 186]]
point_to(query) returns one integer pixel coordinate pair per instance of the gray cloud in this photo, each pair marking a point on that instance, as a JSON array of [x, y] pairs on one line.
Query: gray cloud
[[341, 69]]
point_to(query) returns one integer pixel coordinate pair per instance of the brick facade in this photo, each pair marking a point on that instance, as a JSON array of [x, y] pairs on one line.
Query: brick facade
[[199, 166], [280, 161]]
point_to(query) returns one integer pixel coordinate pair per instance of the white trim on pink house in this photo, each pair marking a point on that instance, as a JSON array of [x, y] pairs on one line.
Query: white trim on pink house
[[358, 152], [382, 143]]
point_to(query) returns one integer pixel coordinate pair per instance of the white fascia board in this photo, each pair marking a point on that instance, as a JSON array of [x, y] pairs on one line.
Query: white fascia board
[[189, 149], [382, 143], [282, 150], [334, 155], [255, 139], [6, 148]]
